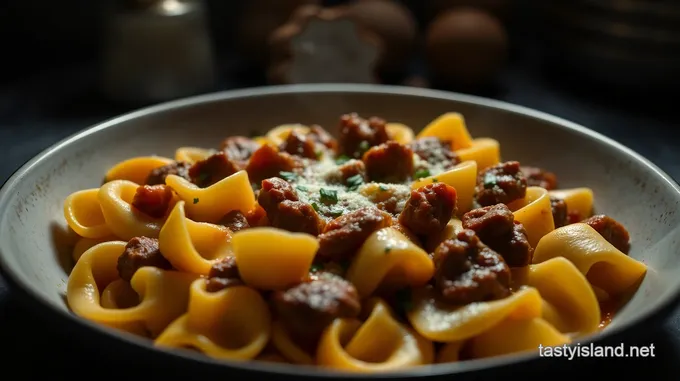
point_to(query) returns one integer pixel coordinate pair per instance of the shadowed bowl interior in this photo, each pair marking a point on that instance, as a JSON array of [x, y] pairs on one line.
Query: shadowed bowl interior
[[35, 243]]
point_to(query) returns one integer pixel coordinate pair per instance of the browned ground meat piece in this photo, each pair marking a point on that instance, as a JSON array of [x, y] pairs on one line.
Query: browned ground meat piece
[[429, 209], [299, 145], [495, 225], [348, 170], [207, 172], [321, 136], [285, 211], [537, 177], [239, 148], [223, 274], [178, 168], [268, 162], [153, 200], [467, 271], [140, 252], [559, 211], [297, 216], [435, 151], [309, 307], [358, 135], [343, 236], [235, 221], [257, 216], [500, 184], [273, 192], [389, 162], [611, 230], [573, 217]]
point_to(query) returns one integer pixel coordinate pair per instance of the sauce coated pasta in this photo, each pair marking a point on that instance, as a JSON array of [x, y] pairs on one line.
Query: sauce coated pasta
[[372, 252]]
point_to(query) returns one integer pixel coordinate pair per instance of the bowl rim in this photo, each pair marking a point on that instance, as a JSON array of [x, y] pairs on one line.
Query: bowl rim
[[16, 279]]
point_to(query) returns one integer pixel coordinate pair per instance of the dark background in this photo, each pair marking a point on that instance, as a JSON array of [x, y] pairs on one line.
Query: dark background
[[49, 61]]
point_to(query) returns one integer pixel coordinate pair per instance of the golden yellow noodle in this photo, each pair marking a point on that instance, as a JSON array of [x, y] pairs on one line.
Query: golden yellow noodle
[[552, 301]]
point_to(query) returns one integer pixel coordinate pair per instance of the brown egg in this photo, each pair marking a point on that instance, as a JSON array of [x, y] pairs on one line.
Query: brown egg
[[258, 20], [394, 25], [465, 47], [498, 8]]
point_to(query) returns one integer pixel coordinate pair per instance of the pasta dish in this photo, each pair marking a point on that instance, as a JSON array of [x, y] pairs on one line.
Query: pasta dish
[[375, 251]]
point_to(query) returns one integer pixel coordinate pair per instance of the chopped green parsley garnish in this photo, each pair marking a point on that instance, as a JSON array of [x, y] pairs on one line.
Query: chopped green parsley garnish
[[202, 178], [388, 249], [315, 267], [328, 196], [435, 180], [422, 173], [404, 300], [336, 212], [319, 154], [302, 188], [364, 146], [315, 207], [490, 180], [382, 188], [342, 159], [288, 176], [355, 182], [196, 200]]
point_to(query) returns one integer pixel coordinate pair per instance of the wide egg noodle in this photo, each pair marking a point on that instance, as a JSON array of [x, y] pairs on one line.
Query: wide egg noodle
[[193, 154], [380, 343], [486, 152], [273, 259], [84, 215], [233, 323], [569, 303], [212, 203], [578, 200], [449, 127], [163, 295], [84, 244], [288, 348], [442, 322], [136, 169], [604, 265], [192, 246], [390, 259], [534, 211], [463, 177], [115, 198]]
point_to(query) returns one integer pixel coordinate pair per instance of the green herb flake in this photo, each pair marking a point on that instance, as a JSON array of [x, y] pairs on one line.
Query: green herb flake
[[435, 180], [342, 159], [388, 249], [319, 154], [328, 196], [382, 188], [404, 299], [202, 178], [364, 146], [421, 173], [336, 212], [288, 176], [302, 188], [315, 207], [196, 200], [316, 267], [490, 180], [354, 182]]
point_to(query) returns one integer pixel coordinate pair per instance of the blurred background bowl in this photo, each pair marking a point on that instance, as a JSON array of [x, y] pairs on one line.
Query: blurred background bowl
[[625, 43]]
